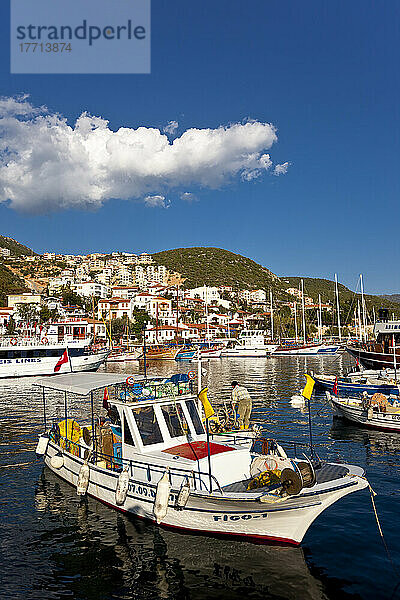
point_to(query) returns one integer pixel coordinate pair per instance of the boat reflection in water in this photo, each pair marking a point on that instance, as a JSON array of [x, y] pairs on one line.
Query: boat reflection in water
[[133, 557]]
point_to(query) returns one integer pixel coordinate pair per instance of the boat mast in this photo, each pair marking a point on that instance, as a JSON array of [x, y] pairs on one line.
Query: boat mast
[[177, 312], [359, 321], [320, 318], [303, 311], [295, 321], [206, 299], [338, 308], [364, 316], [394, 358], [272, 316]]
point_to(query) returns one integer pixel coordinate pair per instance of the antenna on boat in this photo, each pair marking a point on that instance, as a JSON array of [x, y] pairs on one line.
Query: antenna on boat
[[303, 312]]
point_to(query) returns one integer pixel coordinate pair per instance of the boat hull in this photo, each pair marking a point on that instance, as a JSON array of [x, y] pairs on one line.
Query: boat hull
[[374, 360], [346, 388], [216, 514], [359, 416], [29, 367], [308, 350]]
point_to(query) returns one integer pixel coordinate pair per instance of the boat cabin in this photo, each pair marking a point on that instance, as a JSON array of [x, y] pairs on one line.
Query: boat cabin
[[151, 425]]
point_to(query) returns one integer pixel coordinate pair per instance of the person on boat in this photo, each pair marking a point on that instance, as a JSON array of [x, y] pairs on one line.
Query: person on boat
[[241, 398]]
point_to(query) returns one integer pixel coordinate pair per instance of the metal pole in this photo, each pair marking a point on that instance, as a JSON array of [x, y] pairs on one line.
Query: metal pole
[[394, 358], [208, 454], [310, 428], [144, 350], [295, 322], [93, 429], [199, 386], [65, 419]]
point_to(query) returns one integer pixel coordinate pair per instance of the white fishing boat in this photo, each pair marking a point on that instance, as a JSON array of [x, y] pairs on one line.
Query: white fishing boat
[[376, 412], [250, 344], [153, 459], [62, 347], [317, 349]]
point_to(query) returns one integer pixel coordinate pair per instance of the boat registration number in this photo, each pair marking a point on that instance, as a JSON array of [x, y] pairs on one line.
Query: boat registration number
[[141, 490], [263, 515]]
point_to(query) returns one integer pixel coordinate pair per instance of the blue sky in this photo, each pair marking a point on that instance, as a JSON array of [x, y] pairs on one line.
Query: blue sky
[[325, 74]]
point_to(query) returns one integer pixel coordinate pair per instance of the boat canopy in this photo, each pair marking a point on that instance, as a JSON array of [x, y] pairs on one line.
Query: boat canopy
[[82, 383]]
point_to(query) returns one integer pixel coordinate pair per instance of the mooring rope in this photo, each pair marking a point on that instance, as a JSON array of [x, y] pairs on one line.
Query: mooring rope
[[373, 494]]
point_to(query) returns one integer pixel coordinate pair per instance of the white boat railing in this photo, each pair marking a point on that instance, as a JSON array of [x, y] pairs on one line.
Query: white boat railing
[[118, 463]]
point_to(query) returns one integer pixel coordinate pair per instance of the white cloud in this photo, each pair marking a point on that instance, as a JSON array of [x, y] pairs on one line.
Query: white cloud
[[171, 127], [47, 164], [189, 197], [281, 169], [18, 105], [157, 201]]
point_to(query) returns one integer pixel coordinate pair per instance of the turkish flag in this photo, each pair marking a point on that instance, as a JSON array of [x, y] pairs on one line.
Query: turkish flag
[[62, 361], [335, 387]]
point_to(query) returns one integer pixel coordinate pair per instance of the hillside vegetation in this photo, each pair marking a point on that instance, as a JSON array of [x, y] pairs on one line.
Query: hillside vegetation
[[15, 247], [348, 298], [217, 267], [9, 284]]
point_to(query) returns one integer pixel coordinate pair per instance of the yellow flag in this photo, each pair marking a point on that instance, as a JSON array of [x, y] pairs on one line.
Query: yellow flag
[[208, 409], [308, 389]]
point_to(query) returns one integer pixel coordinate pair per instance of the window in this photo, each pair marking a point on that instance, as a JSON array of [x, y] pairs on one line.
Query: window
[[194, 415], [175, 420], [128, 439], [146, 422]]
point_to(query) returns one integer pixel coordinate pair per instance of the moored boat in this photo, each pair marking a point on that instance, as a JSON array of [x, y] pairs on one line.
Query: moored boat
[[376, 412], [384, 351], [153, 459], [347, 385], [317, 349], [162, 352]]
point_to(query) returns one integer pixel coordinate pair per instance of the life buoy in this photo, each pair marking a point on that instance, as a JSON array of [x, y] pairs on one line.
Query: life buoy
[[45, 340], [13, 341]]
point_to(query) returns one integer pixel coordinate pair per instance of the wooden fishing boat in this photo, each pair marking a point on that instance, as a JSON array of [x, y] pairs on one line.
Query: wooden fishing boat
[[371, 412], [152, 458], [162, 352], [384, 351]]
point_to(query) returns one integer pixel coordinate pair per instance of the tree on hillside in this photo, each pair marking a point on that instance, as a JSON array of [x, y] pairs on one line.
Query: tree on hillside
[[28, 313], [71, 298]]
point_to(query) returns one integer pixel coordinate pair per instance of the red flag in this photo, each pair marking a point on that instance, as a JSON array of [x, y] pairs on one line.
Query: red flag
[[62, 361], [106, 398], [335, 387]]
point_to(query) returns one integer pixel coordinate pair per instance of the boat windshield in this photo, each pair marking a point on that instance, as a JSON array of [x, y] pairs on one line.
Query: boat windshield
[[147, 424], [194, 415], [175, 420]]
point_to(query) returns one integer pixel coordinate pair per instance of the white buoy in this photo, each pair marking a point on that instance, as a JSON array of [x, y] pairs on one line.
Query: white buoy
[[162, 497], [83, 480], [122, 487], [183, 495], [42, 444], [57, 461]]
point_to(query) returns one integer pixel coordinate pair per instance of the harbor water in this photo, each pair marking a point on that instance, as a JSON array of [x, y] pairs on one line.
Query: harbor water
[[55, 545]]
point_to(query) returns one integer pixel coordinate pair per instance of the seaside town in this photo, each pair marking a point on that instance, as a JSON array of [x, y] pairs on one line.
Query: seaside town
[[120, 286]]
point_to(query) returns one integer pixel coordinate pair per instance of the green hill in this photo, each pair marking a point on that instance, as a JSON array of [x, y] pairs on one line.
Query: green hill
[[15, 247], [348, 298], [9, 284], [217, 267]]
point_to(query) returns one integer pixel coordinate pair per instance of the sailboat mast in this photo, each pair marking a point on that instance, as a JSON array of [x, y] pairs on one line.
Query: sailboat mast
[[359, 321], [338, 308], [295, 321], [303, 311], [272, 316], [364, 316], [320, 318]]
